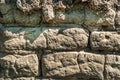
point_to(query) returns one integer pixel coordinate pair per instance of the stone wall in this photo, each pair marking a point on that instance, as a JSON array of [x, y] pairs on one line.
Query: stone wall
[[59, 40]]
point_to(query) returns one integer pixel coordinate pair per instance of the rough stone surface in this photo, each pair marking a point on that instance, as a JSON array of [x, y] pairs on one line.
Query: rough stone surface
[[27, 6], [34, 12], [65, 64], [112, 67], [50, 39], [39, 42], [11, 43], [19, 66], [100, 18], [59, 39], [66, 39], [105, 41]]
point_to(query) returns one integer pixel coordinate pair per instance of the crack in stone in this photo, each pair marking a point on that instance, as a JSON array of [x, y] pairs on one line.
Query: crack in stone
[[104, 71]]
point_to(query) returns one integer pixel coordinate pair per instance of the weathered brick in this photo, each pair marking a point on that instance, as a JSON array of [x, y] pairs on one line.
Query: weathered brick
[[112, 67]]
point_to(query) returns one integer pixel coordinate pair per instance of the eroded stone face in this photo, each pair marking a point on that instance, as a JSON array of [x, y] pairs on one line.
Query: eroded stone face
[[46, 29], [112, 67], [21, 41], [60, 65], [105, 41], [50, 39], [34, 12], [19, 66], [48, 13], [28, 5], [66, 39], [100, 18], [11, 41], [66, 64]]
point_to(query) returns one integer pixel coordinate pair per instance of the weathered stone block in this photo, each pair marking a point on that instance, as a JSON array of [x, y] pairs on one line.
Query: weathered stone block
[[91, 66], [21, 40], [95, 13], [112, 67], [66, 39], [19, 66], [60, 64], [107, 41], [27, 6], [100, 18], [24, 41], [10, 41], [48, 13], [49, 27], [82, 65]]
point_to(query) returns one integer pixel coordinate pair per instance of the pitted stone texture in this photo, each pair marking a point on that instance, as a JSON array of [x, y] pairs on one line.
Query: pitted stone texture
[[28, 5], [24, 41], [91, 65], [19, 66], [112, 67], [11, 42], [48, 13], [21, 41], [107, 41], [102, 5], [77, 65], [95, 13], [66, 39], [60, 64]]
